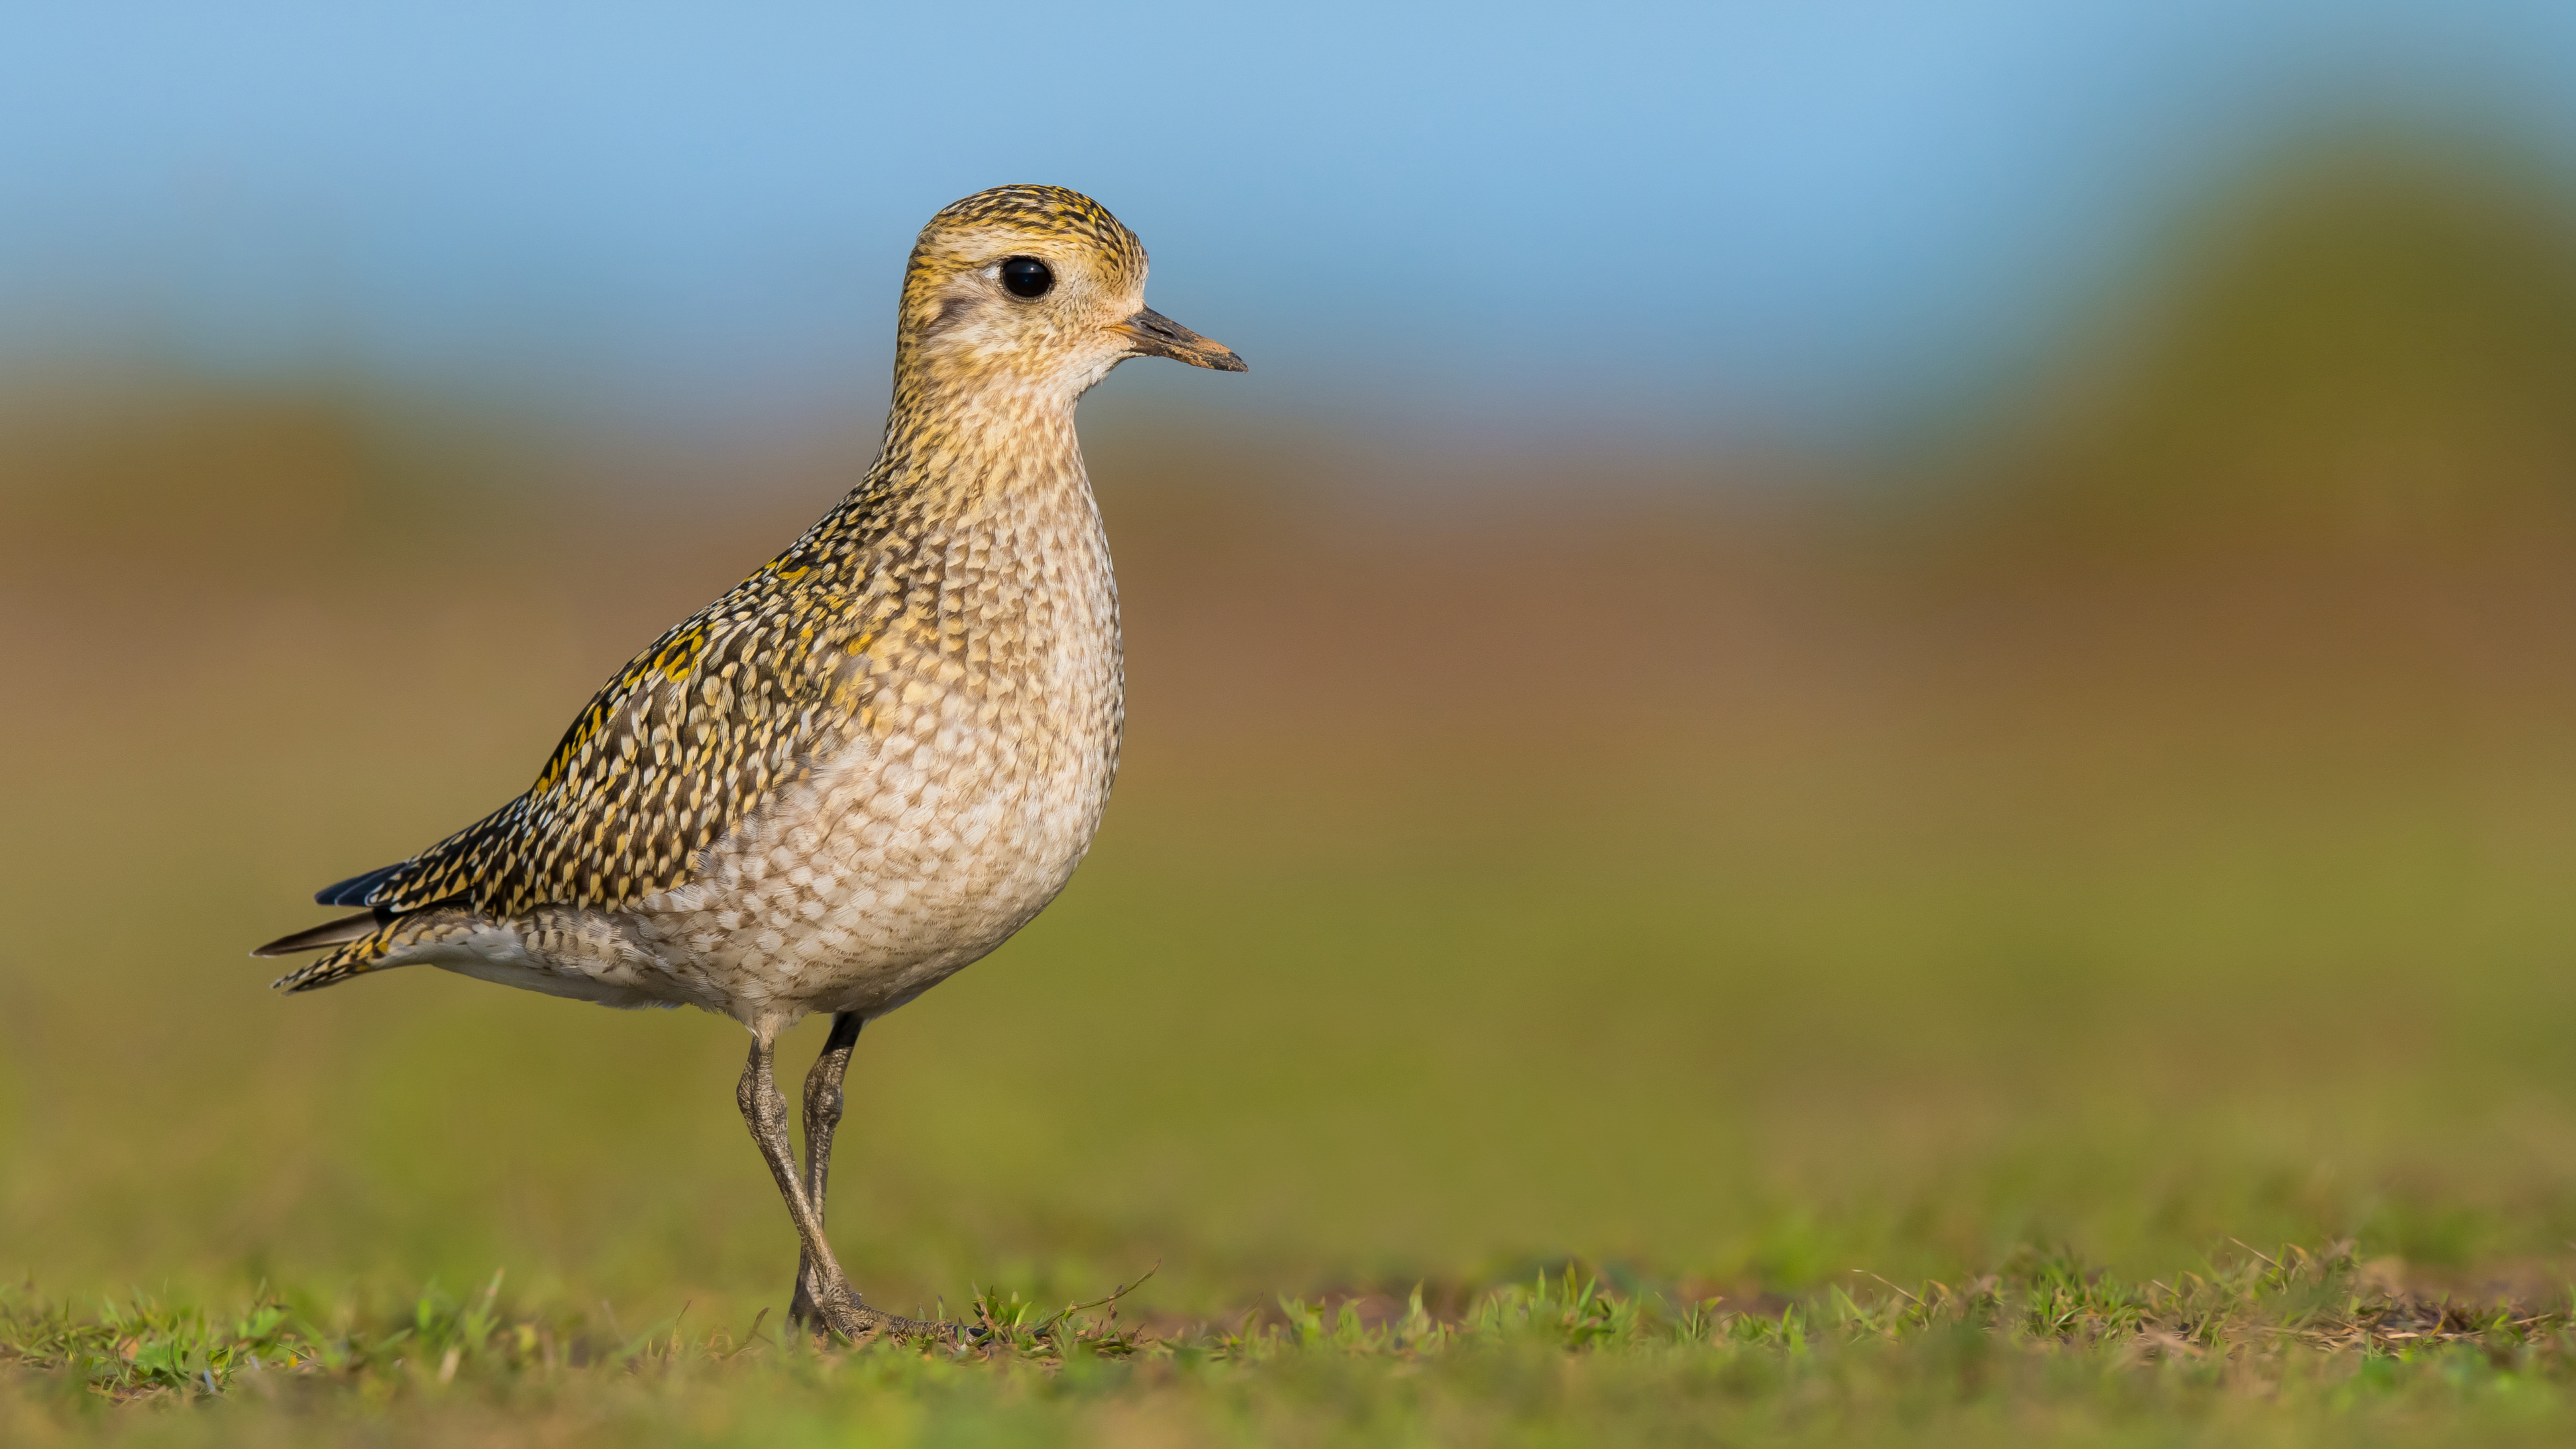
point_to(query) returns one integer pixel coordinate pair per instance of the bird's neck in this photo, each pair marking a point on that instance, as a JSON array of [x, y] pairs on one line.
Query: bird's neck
[[959, 453]]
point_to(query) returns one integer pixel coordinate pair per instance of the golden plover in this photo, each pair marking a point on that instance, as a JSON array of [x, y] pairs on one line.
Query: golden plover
[[867, 764]]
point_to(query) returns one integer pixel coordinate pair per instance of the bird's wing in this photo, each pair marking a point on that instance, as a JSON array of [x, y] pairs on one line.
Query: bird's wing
[[692, 735]]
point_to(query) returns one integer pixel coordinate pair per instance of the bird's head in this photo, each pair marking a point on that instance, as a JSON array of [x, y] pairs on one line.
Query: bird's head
[[1035, 287]]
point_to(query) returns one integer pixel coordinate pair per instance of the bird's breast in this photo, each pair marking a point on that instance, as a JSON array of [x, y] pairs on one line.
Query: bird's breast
[[951, 805]]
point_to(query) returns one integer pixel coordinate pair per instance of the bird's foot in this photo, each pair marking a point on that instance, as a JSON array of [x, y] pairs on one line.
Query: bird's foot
[[832, 1309]]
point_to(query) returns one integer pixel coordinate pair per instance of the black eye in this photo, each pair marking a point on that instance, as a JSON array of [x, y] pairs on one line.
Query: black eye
[[1026, 277]]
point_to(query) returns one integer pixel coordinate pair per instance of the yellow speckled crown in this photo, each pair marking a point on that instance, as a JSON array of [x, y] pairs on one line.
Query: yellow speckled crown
[[965, 233]]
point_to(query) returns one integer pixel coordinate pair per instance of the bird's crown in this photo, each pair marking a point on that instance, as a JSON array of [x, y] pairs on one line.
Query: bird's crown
[[1090, 258], [1051, 217]]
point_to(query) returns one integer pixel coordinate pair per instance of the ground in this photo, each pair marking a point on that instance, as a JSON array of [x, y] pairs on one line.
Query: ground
[[1914, 1000], [2274, 1348]]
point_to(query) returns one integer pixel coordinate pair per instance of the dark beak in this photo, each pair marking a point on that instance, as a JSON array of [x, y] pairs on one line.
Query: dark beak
[[1155, 335]]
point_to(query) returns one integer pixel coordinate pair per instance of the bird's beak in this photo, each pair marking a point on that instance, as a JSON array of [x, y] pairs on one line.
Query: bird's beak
[[1154, 335]]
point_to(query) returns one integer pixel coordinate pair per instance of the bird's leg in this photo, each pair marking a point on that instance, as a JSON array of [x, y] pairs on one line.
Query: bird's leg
[[834, 1301], [822, 1115]]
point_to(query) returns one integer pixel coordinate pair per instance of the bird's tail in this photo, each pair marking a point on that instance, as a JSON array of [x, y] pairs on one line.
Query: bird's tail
[[358, 943]]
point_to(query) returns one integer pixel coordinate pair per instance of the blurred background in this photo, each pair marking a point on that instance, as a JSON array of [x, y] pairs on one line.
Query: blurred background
[[1833, 637]]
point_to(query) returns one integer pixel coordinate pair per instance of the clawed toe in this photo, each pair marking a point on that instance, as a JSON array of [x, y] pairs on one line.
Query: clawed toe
[[842, 1315]]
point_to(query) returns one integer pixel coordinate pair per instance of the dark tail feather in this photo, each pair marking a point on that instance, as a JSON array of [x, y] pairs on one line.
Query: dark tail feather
[[330, 933], [355, 890]]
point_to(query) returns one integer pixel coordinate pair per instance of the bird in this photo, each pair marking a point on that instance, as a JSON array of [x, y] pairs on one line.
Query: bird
[[866, 765]]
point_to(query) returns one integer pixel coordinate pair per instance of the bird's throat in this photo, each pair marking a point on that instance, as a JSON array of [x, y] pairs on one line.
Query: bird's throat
[[966, 453]]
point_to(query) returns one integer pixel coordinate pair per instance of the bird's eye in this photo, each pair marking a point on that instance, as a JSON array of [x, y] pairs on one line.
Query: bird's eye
[[1026, 277]]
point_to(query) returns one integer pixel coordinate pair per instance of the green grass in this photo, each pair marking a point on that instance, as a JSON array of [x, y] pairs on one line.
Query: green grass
[[2265, 1350]]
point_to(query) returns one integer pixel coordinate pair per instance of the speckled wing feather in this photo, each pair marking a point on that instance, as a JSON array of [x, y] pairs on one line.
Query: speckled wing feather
[[695, 733]]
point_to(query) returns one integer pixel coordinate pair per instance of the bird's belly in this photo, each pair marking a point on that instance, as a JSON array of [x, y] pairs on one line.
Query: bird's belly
[[899, 861]]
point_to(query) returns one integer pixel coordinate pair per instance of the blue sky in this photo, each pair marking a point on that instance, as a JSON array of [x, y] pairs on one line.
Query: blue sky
[[1791, 217]]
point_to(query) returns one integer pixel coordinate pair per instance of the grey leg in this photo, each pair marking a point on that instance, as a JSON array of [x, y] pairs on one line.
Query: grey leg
[[822, 1115], [834, 1301]]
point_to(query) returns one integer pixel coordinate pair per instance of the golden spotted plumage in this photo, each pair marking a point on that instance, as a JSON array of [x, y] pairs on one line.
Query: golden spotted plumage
[[966, 570], [699, 731]]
